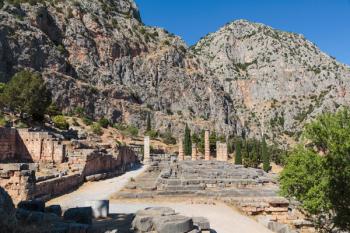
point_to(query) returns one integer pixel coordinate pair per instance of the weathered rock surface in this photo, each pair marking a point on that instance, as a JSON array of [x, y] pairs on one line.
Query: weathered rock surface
[[277, 80], [98, 55], [165, 220]]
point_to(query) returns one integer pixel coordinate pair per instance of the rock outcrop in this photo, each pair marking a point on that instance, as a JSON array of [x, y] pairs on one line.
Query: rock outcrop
[[98, 55], [277, 80]]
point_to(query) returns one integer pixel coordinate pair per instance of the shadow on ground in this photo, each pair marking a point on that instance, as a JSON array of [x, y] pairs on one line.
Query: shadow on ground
[[122, 221]]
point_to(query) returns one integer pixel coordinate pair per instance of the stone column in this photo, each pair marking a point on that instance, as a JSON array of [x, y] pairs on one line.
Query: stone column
[[146, 150], [218, 151], [194, 152], [221, 152], [206, 146], [181, 150], [224, 154]]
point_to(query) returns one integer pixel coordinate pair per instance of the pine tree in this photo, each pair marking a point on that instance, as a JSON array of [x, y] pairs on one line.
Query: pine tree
[[238, 158], [149, 126], [256, 154], [187, 141], [265, 156]]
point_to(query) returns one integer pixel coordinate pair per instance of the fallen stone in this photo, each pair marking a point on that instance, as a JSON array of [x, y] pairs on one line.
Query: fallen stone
[[54, 209], [173, 224], [142, 223], [156, 211], [81, 215], [34, 205], [201, 223]]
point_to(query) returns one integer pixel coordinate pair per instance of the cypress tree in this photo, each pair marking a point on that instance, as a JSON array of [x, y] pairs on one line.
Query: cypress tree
[[149, 126], [238, 158], [265, 155], [187, 141]]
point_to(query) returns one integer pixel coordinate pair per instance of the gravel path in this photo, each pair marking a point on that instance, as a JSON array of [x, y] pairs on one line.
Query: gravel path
[[223, 219], [100, 190]]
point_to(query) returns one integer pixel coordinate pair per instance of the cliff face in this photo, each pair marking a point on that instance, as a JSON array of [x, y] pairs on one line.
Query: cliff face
[[100, 56], [277, 80]]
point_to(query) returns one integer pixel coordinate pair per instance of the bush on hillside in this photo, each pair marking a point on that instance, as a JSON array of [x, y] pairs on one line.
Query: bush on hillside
[[60, 122]]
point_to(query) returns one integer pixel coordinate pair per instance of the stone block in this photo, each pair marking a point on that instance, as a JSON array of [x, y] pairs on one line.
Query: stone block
[[142, 223], [201, 223], [100, 208], [81, 215], [156, 211], [54, 209], [173, 224], [34, 205]]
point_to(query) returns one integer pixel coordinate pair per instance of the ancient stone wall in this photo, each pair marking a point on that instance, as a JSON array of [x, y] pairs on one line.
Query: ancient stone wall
[[18, 180], [26, 146], [7, 144], [42, 147], [85, 163], [54, 187]]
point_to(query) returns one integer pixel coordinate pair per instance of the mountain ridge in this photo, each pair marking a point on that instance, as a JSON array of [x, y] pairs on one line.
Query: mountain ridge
[[98, 55]]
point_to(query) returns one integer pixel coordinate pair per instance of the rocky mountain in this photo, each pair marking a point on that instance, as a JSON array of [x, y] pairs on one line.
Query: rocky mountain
[[98, 55], [277, 80]]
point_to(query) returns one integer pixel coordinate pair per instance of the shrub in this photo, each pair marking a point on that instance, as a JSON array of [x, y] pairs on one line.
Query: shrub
[[96, 129], [87, 121], [153, 134], [3, 121], [168, 138], [103, 122], [79, 111], [60, 122], [132, 130]]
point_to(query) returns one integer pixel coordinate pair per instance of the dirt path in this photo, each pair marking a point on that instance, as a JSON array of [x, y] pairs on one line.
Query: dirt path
[[100, 190], [223, 219]]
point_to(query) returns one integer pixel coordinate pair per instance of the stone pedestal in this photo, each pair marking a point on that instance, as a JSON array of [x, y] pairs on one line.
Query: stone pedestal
[[100, 208], [181, 150], [206, 146], [146, 150], [194, 152], [221, 151]]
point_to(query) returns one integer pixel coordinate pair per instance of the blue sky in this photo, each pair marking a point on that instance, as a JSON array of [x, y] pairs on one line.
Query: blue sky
[[324, 22]]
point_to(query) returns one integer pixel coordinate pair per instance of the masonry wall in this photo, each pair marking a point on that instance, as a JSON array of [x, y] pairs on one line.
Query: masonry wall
[[7, 144], [18, 180], [25, 146], [41, 147], [86, 162]]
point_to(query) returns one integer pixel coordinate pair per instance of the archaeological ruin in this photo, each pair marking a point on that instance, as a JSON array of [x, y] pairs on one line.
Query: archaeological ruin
[[38, 165]]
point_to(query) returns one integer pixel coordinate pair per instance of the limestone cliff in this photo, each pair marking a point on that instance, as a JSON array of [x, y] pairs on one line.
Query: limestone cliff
[[100, 56], [277, 80]]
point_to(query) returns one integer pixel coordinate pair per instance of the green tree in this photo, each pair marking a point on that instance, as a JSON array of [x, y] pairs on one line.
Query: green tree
[[265, 155], [317, 173], [26, 93], [187, 141], [201, 143], [2, 87], [149, 125], [212, 141], [238, 145]]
